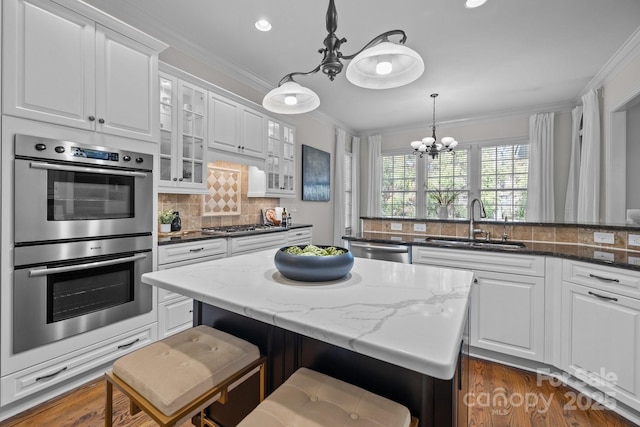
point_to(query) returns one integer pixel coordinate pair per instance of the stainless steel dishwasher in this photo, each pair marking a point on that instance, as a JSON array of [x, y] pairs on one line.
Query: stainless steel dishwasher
[[382, 251]]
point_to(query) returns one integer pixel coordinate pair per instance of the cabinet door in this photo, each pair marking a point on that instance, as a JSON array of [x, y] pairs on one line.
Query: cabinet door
[[601, 340], [224, 129], [168, 149], [253, 132], [192, 134], [48, 63], [280, 159], [288, 160], [274, 154], [507, 314], [126, 87]]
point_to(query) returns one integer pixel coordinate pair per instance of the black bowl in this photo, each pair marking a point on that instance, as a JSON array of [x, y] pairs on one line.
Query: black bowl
[[313, 268]]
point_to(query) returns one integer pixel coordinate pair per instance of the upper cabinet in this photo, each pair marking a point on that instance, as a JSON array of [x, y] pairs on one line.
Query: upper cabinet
[[280, 161], [63, 67], [182, 151], [235, 128]]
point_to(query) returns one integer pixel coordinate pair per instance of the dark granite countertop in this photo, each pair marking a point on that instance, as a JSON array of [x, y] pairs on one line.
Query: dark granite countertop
[[193, 236], [594, 254]]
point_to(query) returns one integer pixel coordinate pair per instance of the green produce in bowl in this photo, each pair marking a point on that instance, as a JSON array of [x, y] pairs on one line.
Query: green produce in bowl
[[312, 250]]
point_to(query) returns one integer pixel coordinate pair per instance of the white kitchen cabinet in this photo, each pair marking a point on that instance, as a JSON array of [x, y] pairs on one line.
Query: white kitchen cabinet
[[300, 236], [235, 128], [182, 150], [280, 161], [601, 341], [175, 312], [57, 371], [507, 298], [62, 67]]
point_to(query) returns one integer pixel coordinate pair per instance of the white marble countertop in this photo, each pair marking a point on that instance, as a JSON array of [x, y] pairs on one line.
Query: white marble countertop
[[408, 315]]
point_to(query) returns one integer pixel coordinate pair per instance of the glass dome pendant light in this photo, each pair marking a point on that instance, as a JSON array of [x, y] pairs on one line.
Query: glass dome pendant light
[[380, 64], [430, 145]]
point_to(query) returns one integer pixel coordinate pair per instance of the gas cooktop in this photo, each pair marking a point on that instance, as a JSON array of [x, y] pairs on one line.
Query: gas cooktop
[[237, 229]]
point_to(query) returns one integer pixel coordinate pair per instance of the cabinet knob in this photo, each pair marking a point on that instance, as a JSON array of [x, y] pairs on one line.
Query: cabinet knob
[[475, 281], [180, 179], [92, 118], [175, 179], [101, 121]]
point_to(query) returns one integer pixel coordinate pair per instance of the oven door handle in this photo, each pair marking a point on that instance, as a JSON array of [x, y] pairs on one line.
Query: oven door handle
[[46, 271], [68, 168]]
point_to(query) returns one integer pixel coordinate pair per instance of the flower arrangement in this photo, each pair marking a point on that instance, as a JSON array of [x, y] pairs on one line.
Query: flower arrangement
[[444, 197]]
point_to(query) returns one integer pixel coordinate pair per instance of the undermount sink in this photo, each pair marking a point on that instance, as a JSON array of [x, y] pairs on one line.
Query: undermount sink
[[477, 243]]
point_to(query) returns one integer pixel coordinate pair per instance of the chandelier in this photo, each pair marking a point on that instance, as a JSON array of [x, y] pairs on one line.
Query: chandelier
[[429, 145], [380, 64]]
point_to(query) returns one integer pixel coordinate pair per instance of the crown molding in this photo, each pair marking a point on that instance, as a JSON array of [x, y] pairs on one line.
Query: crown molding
[[483, 118], [629, 50]]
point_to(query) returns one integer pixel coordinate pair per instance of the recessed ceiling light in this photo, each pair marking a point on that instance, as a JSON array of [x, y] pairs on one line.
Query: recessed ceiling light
[[263, 25], [474, 3]]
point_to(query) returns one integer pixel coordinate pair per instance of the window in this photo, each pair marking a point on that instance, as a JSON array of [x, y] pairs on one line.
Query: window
[[348, 191], [399, 186], [497, 173], [448, 184], [505, 173]]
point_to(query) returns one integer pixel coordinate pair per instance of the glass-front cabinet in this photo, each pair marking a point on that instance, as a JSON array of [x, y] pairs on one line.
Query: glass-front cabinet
[[280, 158], [183, 111]]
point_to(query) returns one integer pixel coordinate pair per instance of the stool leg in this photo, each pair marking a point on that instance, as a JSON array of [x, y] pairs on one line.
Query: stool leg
[[108, 406], [262, 381]]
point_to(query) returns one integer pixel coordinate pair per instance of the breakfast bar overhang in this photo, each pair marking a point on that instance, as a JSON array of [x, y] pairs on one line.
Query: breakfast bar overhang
[[394, 329]]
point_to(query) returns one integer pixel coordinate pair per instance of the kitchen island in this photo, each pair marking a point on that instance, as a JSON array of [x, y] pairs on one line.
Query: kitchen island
[[395, 329]]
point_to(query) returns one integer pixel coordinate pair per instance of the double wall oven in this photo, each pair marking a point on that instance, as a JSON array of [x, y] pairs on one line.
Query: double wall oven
[[83, 237]]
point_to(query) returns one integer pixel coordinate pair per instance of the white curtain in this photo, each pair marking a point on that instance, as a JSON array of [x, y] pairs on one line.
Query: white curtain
[[540, 194], [589, 181], [375, 176], [338, 188], [355, 185], [571, 201]]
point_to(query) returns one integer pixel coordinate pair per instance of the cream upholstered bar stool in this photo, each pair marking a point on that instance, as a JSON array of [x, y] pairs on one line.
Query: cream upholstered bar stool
[[311, 399], [176, 378]]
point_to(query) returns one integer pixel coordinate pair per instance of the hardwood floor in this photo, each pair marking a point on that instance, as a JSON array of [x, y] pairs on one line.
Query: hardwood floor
[[499, 396]]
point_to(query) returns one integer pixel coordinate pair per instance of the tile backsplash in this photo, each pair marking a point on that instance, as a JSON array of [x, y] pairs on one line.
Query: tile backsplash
[[190, 205], [557, 234]]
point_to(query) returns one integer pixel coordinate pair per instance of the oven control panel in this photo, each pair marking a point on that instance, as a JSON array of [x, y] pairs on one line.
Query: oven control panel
[[60, 150]]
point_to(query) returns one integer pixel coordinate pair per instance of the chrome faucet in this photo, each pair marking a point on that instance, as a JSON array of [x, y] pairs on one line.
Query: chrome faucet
[[472, 230]]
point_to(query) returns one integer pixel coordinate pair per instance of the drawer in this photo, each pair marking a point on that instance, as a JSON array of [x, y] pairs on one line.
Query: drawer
[[499, 262], [258, 242], [612, 279], [300, 236], [39, 377], [175, 316], [191, 251]]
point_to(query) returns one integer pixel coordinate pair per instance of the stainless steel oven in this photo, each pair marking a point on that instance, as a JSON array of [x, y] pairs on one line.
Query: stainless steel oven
[[67, 190], [83, 223], [64, 289]]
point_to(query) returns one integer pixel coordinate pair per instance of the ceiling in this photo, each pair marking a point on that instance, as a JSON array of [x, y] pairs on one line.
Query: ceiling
[[504, 57]]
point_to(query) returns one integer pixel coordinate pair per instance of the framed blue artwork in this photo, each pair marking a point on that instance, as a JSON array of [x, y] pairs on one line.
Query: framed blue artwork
[[316, 174]]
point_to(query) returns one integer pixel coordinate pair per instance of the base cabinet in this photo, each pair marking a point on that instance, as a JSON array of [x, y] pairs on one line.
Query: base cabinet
[[175, 312], [601, 341], [507, 298], [508, 314]]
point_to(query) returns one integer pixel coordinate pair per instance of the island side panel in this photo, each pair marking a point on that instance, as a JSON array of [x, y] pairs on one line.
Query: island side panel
[[434, 402]]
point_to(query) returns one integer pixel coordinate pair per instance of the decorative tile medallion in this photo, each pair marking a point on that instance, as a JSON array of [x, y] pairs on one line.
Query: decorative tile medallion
[[224, 195]]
